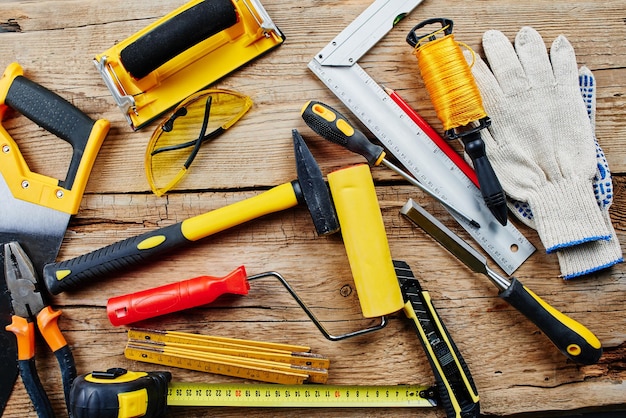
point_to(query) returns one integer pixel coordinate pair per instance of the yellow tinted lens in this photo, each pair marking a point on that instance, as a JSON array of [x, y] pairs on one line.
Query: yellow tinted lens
[[180, 136]]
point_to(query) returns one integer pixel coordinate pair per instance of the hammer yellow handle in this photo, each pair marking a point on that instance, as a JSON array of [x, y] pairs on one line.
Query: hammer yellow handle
[[365, 240], [69, 274]]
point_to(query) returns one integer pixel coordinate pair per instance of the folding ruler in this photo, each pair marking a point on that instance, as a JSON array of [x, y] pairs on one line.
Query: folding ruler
[[336, 66]]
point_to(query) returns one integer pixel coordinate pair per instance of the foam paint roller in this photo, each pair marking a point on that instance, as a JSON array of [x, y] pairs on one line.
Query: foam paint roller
[[183, 52], [176, 35], [365, 240]]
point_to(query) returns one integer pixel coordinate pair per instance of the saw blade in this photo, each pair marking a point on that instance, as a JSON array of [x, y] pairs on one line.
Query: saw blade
[[38, 229]]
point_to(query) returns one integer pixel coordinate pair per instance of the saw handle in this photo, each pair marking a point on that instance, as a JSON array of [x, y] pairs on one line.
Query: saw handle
[[573, 339], [59, 117], [117, 257], [174, 297]]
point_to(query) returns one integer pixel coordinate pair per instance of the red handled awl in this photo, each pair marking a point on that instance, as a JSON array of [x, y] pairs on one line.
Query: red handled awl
[[174, 297]]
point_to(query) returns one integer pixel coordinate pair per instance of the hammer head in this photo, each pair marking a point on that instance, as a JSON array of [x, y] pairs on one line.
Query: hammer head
[[311, 189]]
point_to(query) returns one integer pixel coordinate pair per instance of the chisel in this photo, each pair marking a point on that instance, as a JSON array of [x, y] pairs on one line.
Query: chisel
[[573, 339]]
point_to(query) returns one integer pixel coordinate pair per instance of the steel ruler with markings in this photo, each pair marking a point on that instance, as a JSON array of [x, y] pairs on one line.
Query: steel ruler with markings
[[336, 66]]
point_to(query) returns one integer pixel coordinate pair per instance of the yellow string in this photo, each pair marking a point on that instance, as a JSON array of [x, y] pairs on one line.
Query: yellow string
[[449, 81]]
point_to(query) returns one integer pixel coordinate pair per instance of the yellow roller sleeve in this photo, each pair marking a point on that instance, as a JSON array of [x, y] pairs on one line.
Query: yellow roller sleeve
[[365, 240]]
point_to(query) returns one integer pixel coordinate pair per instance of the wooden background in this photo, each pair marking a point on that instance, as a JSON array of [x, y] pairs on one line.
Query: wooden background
[[515, 367]]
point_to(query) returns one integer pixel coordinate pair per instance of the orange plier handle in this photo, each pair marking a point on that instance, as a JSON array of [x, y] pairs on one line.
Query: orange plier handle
[[24, 330]]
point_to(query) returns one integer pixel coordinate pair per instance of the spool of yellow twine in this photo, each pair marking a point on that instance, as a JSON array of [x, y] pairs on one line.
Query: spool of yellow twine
[[449, 81]]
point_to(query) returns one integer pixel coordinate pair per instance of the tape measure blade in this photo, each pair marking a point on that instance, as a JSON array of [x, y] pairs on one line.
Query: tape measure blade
[[303, 396], [418, 154]]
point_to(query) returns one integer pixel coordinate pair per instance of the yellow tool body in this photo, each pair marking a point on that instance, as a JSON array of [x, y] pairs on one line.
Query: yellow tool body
[[36, 188], [365, 240], [242, 31], [124, 394], [255, 360]]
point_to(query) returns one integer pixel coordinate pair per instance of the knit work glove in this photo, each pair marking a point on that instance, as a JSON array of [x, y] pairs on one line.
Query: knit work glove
[[596, 255], [540, 142]]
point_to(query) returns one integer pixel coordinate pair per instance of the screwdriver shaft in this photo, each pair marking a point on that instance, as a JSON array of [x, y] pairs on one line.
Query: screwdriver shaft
[[425, 189]]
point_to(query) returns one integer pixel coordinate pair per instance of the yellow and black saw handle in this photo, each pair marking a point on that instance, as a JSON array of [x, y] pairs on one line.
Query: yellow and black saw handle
[[455, 386], [59, 117], [70, 274]]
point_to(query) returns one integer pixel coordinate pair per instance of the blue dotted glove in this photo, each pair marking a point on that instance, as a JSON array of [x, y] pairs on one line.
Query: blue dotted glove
[[588, 257]]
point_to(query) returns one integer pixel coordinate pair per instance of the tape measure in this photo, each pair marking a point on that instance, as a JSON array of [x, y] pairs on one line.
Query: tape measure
[[336, 66], [121, 393], [305, 396]]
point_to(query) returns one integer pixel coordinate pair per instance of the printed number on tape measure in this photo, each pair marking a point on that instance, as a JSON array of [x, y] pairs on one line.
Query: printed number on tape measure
[[270, 395]]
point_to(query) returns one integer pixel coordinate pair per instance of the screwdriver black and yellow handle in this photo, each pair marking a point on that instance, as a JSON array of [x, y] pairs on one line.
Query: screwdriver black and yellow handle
[[61, 118], [572, 338], [455, 385], [333, 126], [70, 274]]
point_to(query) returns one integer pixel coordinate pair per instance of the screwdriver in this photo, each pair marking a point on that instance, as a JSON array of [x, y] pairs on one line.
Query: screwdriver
[[334, 127], [573, 339]]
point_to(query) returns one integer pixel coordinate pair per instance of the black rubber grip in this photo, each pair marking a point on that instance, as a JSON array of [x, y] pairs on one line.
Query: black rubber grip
[[54, 114], [357, 142], [176, 35], [68, 370], [490, 187], [35, 389], [120, 256], [574, 340]]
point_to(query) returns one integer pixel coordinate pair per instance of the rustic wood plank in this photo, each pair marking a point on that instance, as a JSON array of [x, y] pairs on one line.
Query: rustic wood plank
[[515, 367]]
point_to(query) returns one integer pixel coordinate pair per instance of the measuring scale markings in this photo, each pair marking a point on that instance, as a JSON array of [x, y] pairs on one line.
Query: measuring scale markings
[[415, 151]]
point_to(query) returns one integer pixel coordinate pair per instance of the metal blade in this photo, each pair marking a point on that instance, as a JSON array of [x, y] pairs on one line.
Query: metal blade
[[472, 259], [38, 229]]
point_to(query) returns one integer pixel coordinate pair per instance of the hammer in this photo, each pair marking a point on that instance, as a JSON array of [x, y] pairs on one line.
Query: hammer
[[310, 189]]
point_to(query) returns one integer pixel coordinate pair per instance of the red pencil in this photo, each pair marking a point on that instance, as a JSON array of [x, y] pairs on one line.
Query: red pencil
[[434, 136]]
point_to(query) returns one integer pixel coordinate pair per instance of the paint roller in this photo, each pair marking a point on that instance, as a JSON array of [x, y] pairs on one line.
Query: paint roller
[[183, 52]]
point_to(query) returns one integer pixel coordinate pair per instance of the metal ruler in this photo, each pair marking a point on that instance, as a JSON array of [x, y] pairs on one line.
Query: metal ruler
[[305, 396], [336, 66]]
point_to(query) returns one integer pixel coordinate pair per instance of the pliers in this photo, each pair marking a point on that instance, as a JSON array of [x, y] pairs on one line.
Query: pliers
[[29, 306]]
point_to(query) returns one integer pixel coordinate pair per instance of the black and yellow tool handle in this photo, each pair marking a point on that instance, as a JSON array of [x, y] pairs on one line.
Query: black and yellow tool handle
[[572, 338], [61, 118], [117, 257], [334, 127], [24, 331], [455, 385]]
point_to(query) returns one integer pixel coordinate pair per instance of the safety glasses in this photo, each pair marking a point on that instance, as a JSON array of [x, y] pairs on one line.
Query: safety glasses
[[176, 141]]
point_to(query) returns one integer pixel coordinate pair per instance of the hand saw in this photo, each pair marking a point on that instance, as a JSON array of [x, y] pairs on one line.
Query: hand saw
[[35, 209], [336, 66]]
